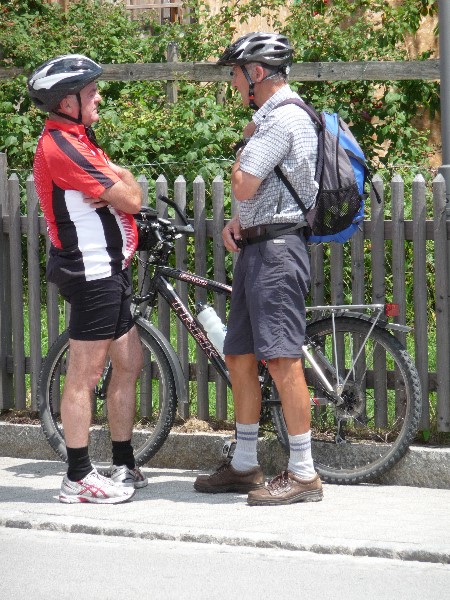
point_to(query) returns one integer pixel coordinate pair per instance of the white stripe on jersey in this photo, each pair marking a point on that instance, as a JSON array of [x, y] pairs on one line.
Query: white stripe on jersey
[[91, 238], [125, 235]]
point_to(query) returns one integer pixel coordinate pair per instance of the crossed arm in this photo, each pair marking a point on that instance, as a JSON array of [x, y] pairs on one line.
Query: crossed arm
[[243, 184], [125, 194], [244, 187]]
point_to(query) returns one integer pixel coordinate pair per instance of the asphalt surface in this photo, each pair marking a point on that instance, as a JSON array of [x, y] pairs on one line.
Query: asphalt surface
[[395, 522]]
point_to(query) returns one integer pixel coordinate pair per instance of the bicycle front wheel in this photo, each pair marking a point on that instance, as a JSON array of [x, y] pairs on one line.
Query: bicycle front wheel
[[156, 403], [362, 428]]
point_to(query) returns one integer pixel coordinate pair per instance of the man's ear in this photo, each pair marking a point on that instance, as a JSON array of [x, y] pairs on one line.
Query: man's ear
[[259, 74], [66, 104]]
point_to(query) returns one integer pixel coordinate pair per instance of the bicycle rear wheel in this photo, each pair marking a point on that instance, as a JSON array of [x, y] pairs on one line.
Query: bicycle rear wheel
[[364, 433], [156, 403]]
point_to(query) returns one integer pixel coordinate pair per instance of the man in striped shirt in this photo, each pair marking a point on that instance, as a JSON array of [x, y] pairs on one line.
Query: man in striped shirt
[[88, 204], [267, 318]]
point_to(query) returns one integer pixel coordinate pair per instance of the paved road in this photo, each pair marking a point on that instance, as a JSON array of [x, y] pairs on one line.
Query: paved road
[[47, 564], [394, 522]]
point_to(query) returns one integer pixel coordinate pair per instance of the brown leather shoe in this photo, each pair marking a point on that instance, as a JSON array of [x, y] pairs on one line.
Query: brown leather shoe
[[287, 488], [227, 479]]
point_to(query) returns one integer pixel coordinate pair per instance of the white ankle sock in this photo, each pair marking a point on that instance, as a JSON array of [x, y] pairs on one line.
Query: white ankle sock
[[245, 456], [300, 459]]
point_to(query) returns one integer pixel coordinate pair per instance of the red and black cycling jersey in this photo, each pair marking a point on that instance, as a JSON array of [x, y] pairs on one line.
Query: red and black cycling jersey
[[86, 243]]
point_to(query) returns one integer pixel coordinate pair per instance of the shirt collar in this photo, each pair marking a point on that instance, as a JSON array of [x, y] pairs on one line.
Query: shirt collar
[[283, 93], [74, 128]]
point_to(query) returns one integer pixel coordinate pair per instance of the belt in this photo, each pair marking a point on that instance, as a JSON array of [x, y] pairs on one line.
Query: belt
[[261, 233]]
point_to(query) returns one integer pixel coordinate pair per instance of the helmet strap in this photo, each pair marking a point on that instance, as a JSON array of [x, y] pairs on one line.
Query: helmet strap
[[90, 134], [251, 85], [251, 89]]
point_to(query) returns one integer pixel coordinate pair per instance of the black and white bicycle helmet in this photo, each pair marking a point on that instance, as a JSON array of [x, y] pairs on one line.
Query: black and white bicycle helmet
[[270, 49], [55, 79]]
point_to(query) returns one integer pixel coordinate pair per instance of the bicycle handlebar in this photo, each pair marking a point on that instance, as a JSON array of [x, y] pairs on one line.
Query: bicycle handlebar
[[184, 229], [174, 206], [154, 231]]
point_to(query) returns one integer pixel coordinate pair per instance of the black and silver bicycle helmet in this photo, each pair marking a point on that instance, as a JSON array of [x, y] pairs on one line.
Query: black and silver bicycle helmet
[[270, 49], [55, 79]]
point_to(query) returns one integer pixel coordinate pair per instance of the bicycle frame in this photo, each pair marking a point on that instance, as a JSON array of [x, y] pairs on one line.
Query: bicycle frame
[[160, 285]]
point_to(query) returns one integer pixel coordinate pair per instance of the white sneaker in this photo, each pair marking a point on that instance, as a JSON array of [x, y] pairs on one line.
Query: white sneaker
[[124, 477], [93, 488]]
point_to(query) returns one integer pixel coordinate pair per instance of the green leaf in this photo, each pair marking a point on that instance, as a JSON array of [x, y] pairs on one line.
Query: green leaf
[[11, 141], [426, 434]]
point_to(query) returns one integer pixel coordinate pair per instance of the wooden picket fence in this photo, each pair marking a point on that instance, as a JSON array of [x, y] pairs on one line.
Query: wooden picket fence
[[414, 246]]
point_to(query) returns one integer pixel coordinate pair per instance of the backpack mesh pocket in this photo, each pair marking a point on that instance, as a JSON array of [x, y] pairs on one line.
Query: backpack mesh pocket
[[335, 210]]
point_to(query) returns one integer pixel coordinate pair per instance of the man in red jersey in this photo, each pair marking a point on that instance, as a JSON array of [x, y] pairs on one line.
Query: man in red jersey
[[88, 203]]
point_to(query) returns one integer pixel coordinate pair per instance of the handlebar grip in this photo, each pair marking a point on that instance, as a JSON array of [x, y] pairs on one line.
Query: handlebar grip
[[186, 229]]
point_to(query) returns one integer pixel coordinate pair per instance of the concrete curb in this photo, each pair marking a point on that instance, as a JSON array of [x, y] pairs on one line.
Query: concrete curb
[[375, 521], [318, 545], [420, 467]]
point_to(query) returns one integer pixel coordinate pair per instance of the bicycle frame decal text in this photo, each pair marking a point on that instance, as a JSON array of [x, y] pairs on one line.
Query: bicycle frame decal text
[[187, 319], [196, 279], [192, 279]]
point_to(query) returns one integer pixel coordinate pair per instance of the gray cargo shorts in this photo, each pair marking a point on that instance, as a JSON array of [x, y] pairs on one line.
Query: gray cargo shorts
[[270, 283]]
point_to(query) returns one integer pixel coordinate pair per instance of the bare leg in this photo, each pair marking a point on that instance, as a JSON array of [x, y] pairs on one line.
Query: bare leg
[[87, 360], [243, 369], [242, 473], [127, 360], [289, 378]]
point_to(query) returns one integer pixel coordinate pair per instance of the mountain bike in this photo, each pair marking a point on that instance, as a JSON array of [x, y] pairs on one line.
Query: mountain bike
[[365, 390]]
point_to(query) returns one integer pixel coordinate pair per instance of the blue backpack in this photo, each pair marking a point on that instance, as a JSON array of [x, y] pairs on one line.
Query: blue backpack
[[341, 172]]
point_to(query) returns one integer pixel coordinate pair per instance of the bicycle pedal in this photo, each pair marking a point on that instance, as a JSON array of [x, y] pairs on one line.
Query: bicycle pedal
[[228, 448]]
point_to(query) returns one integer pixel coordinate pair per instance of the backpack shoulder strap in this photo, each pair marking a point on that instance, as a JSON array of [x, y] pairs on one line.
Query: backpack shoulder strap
[[290, 187], [310, 111], [315, 117]]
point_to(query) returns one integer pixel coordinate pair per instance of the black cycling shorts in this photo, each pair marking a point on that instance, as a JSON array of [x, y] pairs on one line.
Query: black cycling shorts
[[100, 309], [270, 284]]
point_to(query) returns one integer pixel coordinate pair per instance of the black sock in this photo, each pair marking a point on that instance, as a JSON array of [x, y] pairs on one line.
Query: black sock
[[123, 454], [79, 463]]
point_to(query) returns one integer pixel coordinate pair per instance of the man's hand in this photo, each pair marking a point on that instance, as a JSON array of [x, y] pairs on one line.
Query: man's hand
[[95, 202], [119, 171], [230, 233]]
